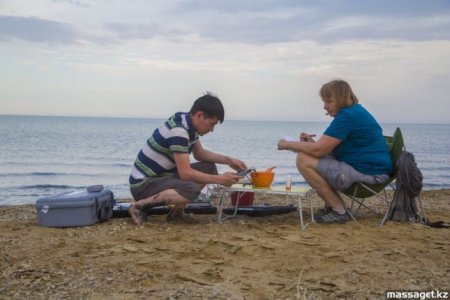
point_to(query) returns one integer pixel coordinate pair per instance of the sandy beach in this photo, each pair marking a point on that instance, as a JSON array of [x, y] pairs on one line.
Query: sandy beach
[[243, 258]]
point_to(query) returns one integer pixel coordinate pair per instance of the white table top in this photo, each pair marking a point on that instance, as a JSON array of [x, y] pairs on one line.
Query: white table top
[[277, 189]]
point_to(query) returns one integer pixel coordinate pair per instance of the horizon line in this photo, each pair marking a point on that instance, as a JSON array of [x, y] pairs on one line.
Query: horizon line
[[231, 119]]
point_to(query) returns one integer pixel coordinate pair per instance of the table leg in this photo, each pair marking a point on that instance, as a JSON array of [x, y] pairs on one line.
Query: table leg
[[238, 197], [309, 197], [221, 206], [300, 206], [300, 211], [301, 196]]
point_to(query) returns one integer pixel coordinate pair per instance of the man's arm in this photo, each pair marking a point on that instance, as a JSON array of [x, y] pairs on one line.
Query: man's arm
[[201, 154], [187, 173]]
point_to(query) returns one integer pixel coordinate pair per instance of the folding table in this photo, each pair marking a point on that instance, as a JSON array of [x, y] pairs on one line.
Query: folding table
[[299, 193]]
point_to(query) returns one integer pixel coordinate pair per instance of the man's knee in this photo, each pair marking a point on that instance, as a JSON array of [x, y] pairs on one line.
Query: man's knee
[[205, 167], [188, 190], [211, 168], [174, 196]]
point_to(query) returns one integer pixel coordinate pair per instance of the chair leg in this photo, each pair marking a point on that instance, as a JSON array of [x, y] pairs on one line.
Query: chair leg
[[386, 200], [388, 204], [422, 211], [361, 203], [345, 207], [386, 214], [354, 199]]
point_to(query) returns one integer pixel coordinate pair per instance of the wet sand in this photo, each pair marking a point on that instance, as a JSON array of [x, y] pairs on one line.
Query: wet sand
[[243, 258]]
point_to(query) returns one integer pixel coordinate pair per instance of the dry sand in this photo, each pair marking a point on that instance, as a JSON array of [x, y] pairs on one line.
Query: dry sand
[[243, 258]]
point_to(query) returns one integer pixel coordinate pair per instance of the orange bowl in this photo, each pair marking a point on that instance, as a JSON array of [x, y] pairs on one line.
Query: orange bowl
[[262, 178]]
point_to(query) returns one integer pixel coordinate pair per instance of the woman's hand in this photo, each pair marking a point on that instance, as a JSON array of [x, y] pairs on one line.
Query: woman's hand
[[305, 137], [283, 144]]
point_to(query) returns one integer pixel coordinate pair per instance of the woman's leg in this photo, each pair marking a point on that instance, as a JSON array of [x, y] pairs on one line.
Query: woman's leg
[[307, 165]]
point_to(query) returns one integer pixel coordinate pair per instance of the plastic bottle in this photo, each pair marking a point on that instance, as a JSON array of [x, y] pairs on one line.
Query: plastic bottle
[[288, 183]]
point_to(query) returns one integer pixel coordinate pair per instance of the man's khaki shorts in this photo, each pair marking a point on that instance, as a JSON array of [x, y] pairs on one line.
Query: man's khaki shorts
[[187, 189]]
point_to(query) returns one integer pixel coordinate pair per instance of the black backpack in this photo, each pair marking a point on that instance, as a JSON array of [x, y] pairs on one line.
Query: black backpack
[[408, 187]]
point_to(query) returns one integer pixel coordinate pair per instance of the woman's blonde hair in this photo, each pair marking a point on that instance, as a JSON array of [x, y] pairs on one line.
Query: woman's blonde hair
[[342, 92]]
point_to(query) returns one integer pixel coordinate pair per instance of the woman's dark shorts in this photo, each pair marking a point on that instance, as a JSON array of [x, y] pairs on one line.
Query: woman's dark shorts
[[341, 175], [187, 189]]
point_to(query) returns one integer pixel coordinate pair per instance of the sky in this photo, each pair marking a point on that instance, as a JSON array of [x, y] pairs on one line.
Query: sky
[[265, 59]]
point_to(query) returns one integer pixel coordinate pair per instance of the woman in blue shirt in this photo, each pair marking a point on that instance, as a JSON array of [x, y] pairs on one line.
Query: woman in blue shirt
[[352, 149]]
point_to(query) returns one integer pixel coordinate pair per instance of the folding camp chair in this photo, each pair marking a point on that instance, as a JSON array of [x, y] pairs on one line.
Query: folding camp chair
[[359, 192]]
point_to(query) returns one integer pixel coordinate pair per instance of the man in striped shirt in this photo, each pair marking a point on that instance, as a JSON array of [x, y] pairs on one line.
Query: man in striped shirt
[[163, 174]]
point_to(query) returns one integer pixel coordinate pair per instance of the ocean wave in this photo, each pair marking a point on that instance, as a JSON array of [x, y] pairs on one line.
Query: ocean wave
[[70, 164], [435, 186], [434, 168], [294, 182], [41, 174], [32, 174], [443, 177], [71, 174], [48, 186], [45, 174]]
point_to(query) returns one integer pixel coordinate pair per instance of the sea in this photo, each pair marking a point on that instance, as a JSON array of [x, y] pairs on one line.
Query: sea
[[43, 155]]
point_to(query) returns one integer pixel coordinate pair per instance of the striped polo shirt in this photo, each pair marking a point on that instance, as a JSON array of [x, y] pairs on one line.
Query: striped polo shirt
[[176, 135]]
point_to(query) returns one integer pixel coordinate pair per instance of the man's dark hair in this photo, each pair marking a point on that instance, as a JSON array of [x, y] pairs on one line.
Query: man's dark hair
[[210, 105]]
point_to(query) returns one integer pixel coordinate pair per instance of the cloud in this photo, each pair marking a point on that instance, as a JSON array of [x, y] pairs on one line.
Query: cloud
[[74, 2], [326, 8], [395, 53], [259, 22], [233, 21], [250, 29], [379, 28], [143, 31], [262, 30], [36, 30], [235, 6]]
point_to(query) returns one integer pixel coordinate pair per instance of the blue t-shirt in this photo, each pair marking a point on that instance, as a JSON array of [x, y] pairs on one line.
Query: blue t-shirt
[[362, 143]]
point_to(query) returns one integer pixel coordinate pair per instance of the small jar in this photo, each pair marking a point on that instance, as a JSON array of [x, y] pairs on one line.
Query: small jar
[[288, 183]]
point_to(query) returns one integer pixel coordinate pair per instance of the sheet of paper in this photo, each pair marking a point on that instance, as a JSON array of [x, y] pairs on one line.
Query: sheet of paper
[[290, 139]]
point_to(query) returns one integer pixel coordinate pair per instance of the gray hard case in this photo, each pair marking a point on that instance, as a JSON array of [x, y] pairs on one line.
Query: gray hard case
[[75, 209]]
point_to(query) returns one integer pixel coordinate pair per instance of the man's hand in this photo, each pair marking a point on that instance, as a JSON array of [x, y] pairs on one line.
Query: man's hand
[[228, 179], [237, 164]]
